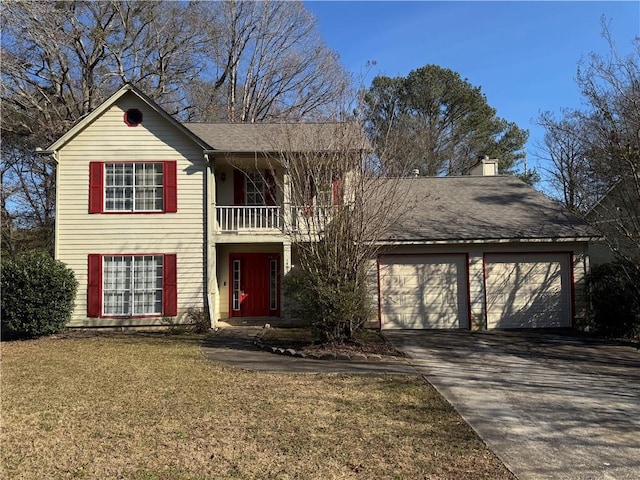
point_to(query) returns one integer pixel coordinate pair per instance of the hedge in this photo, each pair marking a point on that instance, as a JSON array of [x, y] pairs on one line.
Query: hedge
[[38, 295]]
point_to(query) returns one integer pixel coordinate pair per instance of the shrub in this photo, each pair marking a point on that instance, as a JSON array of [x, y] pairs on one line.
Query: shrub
[[615, 296], [195, 320], [336, 308], [38, 295], [198, 320]]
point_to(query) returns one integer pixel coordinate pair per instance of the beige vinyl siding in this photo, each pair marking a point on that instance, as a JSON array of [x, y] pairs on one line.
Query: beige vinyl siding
[[580, 268], [476, 290], [79, 233]]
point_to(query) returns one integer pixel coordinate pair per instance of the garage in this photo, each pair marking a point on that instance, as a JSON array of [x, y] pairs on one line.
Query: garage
[[423, 291], [528, 290]]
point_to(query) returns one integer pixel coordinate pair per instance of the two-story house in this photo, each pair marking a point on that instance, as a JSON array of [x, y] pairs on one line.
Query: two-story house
[[155, 216]]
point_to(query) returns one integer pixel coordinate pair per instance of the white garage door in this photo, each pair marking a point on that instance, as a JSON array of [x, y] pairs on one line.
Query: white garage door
[[528, 290], [423, 291]]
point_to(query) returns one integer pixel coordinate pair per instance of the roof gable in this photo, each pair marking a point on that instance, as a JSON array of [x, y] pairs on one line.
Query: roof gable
[[108, 103]]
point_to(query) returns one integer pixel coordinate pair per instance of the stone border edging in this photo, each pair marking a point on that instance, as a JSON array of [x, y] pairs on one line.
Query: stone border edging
[[290, 352]]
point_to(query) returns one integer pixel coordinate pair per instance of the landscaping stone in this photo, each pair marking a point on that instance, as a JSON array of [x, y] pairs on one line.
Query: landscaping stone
[[328, 356], [290, 352], [343, 356]]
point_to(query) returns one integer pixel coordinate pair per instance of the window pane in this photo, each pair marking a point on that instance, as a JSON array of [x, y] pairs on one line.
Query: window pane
[[255, 189], [134, 187], [236, 285], [116, 285], [132, 285]]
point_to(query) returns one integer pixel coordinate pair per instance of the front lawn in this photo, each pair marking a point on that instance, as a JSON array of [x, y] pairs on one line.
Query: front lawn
[[150, 406]]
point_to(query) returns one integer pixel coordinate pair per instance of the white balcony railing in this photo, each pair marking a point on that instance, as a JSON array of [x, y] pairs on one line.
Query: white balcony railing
[[234, 219], [312, 218]]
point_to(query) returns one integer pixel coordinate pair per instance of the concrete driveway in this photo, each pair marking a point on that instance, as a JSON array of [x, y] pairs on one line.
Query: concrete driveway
[[549, 406]]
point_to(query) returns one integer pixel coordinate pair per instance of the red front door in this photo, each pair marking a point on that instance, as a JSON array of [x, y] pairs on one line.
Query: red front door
[[254, 281]]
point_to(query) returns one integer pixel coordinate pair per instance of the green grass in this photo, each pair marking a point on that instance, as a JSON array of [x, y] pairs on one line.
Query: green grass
[[152, 407]]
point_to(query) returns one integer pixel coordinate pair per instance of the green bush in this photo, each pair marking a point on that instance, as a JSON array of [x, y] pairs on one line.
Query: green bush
[[336, 308], [615, 296], [38, 295]]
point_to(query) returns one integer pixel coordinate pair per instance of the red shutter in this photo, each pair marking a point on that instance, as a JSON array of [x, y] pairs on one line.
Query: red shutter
[[312, 192], [170, 286], [94, 288], [337, 192], [96, 187], [270, 187], [170, 170], [238, 187]]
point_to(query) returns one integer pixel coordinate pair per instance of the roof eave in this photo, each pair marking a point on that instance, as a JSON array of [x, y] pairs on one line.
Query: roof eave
[[463, 241]]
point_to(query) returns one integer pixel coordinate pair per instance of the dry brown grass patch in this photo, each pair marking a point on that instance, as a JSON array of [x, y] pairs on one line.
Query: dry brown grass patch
[[152, 407]]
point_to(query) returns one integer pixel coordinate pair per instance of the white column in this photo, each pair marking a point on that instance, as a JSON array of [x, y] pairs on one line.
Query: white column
[[286, 201]]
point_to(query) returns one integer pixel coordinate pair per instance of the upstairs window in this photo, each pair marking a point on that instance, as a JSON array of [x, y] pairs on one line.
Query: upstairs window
[[255, 189], [132, 187]]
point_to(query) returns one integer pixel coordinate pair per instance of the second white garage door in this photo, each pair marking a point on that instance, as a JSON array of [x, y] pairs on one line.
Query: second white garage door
[[423, 291], [528, 290]]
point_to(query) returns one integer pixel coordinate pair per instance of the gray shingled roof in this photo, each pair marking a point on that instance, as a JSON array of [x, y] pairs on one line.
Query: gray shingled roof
[[272, 137], [482, 208]]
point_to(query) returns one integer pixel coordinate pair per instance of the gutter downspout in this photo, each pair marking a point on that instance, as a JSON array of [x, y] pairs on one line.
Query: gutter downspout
[[211, 280]]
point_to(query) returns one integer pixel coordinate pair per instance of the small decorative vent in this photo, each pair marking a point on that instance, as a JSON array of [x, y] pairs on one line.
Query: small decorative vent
[[133, 117]]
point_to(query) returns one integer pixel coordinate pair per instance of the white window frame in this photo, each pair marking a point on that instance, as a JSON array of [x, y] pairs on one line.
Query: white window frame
[[254, 190], [135, 188], [235, 286], [132, 285]]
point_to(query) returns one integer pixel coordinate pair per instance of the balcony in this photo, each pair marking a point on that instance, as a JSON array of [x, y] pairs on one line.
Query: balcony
[[270, 219], [311, 219]]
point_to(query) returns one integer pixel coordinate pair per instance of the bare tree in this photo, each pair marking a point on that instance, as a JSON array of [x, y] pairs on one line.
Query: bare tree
[[564, 150], [611, 87], [601, 176], [271, 63], [61, 59], [338, 208]]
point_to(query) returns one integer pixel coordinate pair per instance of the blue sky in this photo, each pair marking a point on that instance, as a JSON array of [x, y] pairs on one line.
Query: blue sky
[[524, 55]]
